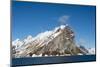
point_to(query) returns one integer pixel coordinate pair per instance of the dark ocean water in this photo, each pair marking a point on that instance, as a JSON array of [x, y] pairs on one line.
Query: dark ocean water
[[52, 60]]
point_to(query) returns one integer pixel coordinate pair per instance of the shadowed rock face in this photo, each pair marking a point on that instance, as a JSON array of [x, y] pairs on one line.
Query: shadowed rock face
[[60, 42]]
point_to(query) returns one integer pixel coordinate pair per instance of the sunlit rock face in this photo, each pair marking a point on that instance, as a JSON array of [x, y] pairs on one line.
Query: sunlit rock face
[[57, 42]]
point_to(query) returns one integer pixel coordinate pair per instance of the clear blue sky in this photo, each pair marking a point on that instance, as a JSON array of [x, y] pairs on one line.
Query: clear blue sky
[[32, 18]]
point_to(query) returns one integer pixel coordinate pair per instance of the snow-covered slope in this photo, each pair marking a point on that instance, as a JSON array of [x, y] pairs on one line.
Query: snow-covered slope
[[40, 37], [59, 41]]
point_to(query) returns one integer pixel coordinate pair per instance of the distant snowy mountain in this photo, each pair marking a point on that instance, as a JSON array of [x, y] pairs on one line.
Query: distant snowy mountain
[[91, 50], [57, 42]]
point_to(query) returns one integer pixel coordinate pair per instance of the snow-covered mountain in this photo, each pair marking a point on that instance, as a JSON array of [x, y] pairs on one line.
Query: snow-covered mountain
[[60, 41]]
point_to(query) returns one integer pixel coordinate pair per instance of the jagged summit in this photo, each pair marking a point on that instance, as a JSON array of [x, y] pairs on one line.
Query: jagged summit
[[59, 41]]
